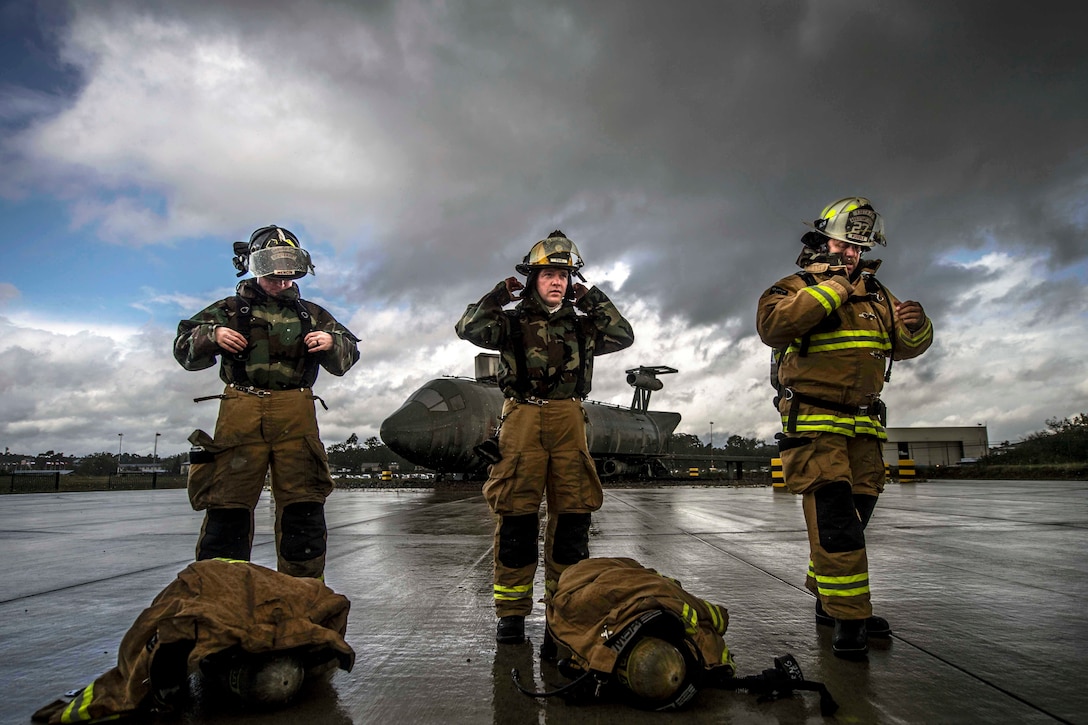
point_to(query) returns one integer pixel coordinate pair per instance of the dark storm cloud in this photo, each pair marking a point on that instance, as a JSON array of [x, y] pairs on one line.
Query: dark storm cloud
[[424, 146], [692, 139], [689, 140]]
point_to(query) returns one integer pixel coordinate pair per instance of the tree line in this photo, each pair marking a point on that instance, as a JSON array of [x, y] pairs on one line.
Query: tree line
[[1064, 441]]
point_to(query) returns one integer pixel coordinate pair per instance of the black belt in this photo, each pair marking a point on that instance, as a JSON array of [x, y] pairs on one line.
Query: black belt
[[876, 408], [258, 392]]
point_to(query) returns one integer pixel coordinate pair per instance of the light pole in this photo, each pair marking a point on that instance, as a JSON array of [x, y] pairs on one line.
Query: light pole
[[120, 439], [155, 453], [711, 445]]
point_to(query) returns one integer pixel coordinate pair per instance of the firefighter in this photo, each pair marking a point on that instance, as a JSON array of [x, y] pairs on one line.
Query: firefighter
[[835, 330], [271, 343], [547, 344]]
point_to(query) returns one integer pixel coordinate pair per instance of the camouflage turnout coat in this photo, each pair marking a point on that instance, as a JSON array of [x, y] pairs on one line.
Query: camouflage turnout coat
[[559, 347], [276, 358]]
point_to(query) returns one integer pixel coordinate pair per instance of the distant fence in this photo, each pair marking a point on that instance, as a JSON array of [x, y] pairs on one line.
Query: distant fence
[[55, 482]]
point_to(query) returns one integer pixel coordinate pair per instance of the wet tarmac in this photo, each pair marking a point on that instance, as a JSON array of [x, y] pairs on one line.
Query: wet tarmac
[[984, 584]]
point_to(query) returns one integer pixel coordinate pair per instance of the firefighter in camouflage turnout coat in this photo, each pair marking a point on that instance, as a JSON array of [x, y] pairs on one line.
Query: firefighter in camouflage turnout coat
[[547, 344], [271, 343]]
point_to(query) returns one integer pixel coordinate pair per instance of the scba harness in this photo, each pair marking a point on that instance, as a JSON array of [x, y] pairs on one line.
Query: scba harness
[[523, 384], [305, 368], [832, 322]]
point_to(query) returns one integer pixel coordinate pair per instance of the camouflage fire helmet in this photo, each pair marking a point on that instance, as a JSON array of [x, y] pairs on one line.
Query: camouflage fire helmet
[[555, 251], [851, 219], [272, 251]]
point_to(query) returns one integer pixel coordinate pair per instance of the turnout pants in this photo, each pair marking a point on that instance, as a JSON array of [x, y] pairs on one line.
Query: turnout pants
[[255, 434], [544, 457], [839, 478]]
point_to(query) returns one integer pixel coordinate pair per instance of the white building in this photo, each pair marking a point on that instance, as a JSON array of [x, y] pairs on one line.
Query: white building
[[937, 446]]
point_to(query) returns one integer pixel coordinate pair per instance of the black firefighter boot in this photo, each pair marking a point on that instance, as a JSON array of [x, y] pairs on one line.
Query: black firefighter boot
[[876, 626], [851, 640], [510, 630], [549, 650]]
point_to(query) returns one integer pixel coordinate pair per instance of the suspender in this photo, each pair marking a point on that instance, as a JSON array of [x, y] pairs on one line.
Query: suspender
[[580, 384], [243, 324], [521, 372]]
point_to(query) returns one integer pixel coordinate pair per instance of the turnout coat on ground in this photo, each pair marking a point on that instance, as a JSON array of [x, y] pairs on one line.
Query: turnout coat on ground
[[215, 605]]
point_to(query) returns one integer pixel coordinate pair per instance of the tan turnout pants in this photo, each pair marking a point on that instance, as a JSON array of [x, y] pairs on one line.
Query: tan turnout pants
[[545, 457], [828, 471]]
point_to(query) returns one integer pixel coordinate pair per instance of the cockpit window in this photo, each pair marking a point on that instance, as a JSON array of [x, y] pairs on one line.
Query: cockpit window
[[430, 398]]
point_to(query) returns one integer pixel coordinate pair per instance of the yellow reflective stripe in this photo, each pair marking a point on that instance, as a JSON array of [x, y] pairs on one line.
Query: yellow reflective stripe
[[230, 561], [843, 586], [825, 295], [716, 617], [845, 340], [830, 212], [917, 338], [79, 706], [507, 594], [842, 425], [727, 658], [843, 592], [691, 619], [864, 425]]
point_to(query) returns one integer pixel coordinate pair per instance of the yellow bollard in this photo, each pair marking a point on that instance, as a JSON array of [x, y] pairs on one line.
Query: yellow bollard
[[906, 470], [778, 477]]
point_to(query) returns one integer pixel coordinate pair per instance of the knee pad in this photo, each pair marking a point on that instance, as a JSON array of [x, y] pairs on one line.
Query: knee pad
[[517, 540], [571, 538], [865, 505], [837, 519], [227, 534], [302, 531]]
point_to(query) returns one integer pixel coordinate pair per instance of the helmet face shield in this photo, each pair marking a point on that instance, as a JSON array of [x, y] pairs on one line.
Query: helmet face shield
[[276, 252], [282, 262]]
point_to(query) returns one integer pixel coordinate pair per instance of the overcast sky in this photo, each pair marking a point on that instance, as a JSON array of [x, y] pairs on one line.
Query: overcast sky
[[419, 149]]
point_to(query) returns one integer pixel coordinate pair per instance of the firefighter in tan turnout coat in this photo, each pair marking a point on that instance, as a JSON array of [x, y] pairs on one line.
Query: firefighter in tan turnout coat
[[835, 330], [546, 344]]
